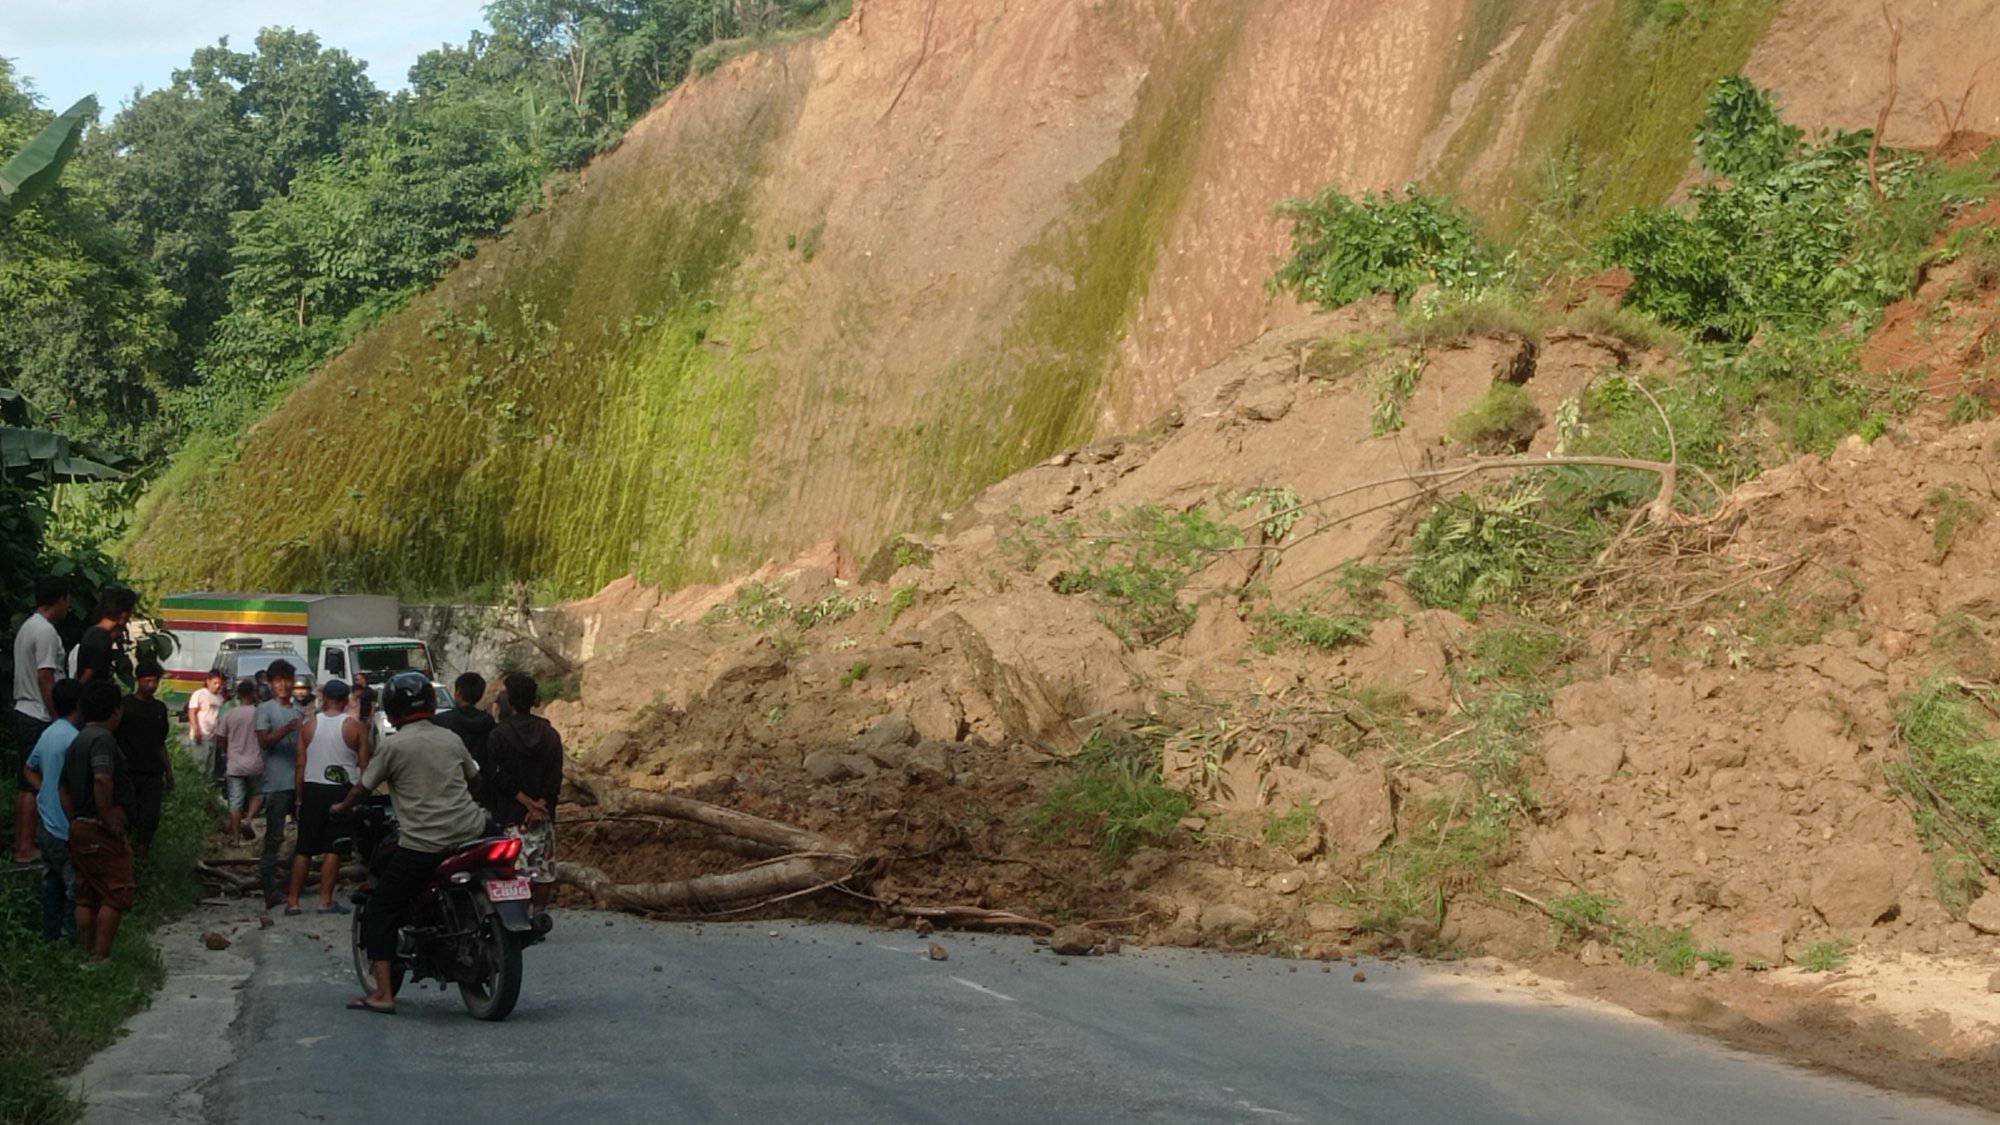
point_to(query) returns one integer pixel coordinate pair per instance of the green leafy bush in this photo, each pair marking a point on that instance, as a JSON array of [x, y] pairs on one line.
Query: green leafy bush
[[1951, 771], [1742, 135], [1472, 551], [1825, 956], [1796, 239], [1135, 572], [1115, 791], [1321, 631], [1393, 388], [1503, 420], [1345, 249]]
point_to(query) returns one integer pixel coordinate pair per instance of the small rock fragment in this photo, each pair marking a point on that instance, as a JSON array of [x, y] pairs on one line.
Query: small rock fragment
[[264, 921], [923, 927], [1072, 941], [1359, 976], [938, 953], [1287, 882], [215, 941]]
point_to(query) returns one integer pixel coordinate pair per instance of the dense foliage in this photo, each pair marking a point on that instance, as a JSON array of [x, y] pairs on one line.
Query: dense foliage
[[1794, 238], [222, 234], [1344, 249]]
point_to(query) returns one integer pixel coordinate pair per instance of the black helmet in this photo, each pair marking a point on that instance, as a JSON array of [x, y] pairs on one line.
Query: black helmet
[[408, 696]]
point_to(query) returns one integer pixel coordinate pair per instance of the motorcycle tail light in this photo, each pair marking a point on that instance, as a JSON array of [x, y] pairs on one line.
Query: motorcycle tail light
[[503, 851]]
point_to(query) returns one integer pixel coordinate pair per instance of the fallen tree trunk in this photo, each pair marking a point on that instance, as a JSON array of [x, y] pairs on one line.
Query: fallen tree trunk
[[800, 862], [709, 894], [616, 799]]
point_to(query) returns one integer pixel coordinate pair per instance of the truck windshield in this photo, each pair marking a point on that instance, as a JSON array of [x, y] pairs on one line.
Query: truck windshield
[[379, 662]]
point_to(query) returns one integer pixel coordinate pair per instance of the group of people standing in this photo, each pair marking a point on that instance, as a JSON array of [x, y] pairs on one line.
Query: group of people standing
[[280, 760], [94, 768]]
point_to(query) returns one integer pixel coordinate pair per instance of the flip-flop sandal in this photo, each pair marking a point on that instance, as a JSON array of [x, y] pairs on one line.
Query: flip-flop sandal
[[362, 1005]]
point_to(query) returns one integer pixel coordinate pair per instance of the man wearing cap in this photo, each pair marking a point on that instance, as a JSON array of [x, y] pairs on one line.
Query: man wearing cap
[[332, 756]]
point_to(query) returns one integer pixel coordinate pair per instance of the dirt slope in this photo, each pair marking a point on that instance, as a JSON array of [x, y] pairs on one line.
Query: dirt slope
[[834, 289], [1716, 759]]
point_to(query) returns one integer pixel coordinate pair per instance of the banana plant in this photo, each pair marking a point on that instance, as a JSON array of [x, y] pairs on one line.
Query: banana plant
[[34, 169], [45, 456]]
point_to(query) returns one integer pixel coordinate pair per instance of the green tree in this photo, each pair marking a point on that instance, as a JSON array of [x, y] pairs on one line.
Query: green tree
[[83, 328], [232, 130]]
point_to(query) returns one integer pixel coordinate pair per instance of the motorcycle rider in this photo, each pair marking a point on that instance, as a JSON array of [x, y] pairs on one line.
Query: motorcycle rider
[[430, 775]]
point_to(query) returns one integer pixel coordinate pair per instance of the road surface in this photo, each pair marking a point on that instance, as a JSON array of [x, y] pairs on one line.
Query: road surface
[[627, 1021]]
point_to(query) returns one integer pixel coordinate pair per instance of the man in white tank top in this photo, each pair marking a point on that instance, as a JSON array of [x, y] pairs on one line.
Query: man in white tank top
[[331, 740]]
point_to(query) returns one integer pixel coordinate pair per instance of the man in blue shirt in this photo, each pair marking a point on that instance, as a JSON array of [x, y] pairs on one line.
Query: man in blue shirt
[[45, 765]]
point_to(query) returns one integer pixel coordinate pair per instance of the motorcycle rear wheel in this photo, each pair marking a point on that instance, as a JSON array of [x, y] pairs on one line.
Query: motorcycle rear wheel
[[493, 997], [364, 969]]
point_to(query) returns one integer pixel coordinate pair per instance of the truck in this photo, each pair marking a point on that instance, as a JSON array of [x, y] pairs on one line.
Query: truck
[[325, 636]]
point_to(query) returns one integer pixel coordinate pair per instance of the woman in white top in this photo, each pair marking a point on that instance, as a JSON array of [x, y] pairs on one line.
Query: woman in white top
[[332, 740]]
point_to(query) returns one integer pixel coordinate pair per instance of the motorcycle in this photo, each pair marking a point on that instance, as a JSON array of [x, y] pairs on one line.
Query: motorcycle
[[469, 925]]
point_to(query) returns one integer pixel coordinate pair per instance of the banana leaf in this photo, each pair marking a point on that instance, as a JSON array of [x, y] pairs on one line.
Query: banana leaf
[[44, 455], [34, 169]]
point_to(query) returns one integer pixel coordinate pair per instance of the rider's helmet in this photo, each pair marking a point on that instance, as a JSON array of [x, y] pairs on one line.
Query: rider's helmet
[[408, 696]]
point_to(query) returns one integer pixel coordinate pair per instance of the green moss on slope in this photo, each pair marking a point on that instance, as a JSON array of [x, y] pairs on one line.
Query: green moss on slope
[[1613, 128], [1037, 391], [569, 406]]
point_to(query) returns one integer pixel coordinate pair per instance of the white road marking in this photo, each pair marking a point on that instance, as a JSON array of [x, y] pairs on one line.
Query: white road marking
[[900, 949], [1249, 1108], [311, 1040], [982, 988]]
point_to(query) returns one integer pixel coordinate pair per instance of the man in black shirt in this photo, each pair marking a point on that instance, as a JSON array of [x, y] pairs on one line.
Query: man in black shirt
[[142, 734], [97, 653], [523, 781], [98, 788], [465, 719]]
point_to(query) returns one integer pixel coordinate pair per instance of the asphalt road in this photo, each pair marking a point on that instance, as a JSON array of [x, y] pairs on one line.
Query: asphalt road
[[626, 1021]]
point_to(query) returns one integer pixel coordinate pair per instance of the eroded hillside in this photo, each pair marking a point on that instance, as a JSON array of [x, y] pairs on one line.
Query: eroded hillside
[[837, 287]]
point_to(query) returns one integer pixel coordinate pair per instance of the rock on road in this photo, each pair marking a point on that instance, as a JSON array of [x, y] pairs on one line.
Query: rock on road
[[626, 1021]]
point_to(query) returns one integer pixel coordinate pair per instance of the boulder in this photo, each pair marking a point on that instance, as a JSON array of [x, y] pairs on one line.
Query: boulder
[[1759, 940], [827, 767], [894, 730], [1584, 754], [1357, 814], [935, 714], [1327, 919], [1072, 941], [1856, 886], [1267, 403], [1984, 915], [928, 761], [1227, 918]]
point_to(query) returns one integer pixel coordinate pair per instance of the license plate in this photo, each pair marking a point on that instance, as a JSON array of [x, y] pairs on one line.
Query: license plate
[[507, 890]]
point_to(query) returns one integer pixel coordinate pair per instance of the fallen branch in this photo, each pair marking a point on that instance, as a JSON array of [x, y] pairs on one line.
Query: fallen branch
[[972, 917], [1889, 105]]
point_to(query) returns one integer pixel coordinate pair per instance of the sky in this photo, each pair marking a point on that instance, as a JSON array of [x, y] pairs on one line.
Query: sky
[[69, 48]]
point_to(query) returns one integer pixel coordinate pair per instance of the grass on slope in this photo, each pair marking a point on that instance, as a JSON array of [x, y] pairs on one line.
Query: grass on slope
[[1612, 125], [574, 404]]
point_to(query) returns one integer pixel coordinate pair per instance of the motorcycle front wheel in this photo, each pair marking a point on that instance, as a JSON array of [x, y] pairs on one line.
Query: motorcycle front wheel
[[364, 969], [492, 996]]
